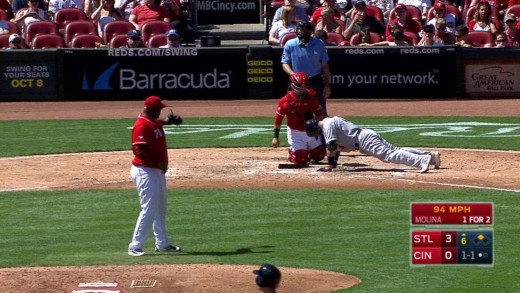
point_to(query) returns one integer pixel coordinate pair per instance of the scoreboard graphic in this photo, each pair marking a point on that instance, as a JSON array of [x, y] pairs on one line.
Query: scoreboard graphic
[[451, 234]]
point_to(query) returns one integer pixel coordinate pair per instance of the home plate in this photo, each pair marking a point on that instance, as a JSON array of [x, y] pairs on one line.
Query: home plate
[[283, 172]]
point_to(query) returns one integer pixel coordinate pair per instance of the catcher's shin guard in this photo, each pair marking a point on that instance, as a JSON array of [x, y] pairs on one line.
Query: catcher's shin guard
[[299, 157], [318, 153]]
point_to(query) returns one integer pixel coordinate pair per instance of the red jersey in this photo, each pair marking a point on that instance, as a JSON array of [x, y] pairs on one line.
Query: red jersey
[[149, 133], [297, 112], [409, 26], [145, 13]]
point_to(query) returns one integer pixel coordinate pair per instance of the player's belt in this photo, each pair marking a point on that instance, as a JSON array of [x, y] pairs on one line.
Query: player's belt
[[317, 77]]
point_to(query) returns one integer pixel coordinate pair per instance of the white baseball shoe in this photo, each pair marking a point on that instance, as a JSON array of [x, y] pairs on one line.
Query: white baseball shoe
[[136, 252], [426, 166], [436, 159], [169, 248]]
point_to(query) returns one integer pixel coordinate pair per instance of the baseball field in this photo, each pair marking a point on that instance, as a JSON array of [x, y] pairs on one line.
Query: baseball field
[[68, 206]]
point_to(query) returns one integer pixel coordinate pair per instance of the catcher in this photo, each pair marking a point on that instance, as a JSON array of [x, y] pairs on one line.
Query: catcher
[[299, 105]]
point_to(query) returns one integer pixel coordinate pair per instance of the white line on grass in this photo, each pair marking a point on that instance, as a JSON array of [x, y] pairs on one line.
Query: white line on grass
[[436, 183]]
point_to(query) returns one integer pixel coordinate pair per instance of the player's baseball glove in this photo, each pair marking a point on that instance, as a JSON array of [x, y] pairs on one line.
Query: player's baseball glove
[[174, 119]]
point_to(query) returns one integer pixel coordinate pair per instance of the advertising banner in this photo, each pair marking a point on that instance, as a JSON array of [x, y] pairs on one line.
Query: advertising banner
[[228, 11], [28, 75], [389, 72], [180, 73], [492, 79]]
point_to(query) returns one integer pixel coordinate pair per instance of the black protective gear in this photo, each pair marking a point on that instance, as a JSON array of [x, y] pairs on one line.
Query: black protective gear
[[268, 276], [331, 145], [312, 128], [304, 30]]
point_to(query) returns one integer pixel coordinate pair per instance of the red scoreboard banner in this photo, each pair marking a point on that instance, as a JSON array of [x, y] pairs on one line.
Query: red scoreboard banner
[[451, 214], [452, 247]]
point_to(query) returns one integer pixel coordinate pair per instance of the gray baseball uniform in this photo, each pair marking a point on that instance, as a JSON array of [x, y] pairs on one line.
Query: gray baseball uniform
[[347, 135]]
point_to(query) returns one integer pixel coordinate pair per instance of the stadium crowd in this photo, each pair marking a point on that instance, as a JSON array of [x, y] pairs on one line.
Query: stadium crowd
[[112, 23], [468, 23], [40, 24]]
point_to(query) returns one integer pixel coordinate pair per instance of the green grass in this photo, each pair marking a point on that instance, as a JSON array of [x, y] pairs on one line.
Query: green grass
[[43, 137], [359, 232]]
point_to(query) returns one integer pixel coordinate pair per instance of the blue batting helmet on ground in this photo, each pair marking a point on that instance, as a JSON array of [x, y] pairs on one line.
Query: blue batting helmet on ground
[[268, 276]]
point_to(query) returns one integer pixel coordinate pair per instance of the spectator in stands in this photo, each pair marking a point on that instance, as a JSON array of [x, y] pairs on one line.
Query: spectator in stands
[[91, 6], [301, 13], [173, 7], [441, 35], [148, 10], [183, 25], [316, 15], [399, 40], [501, 5], [134, 40], [501, 40], [440, 13], [482, 19], [33, 13], [126, 6], [15, 42], [19, 4], [55, 5], [5, 5], [173, 40], [362, 22], [511, 31], [284, 26], [461, 36], [4, 28], [385, 6], [423, 5], [328, 23], [105, 13], [401, 18], [428, 34]]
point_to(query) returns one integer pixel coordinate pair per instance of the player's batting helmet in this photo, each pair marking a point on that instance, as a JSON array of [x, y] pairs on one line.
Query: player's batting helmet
[[299, 84], [312, 128], [268, 276]]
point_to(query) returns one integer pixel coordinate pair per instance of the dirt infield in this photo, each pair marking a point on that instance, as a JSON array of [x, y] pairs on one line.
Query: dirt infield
[[250, 168]]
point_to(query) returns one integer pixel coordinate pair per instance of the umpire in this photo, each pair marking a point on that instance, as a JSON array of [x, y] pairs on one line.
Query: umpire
[[308, 54]]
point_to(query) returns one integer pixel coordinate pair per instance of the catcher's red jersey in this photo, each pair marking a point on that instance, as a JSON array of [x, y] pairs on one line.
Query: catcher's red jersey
[[297, 112], [151, 134]]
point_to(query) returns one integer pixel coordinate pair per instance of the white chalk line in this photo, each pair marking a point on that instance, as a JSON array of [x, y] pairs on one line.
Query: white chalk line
[[436, 183]]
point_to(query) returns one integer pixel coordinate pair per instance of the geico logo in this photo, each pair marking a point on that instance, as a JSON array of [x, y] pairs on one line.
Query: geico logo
[[260, 79], [129, 79], [260, 71], [260, 63]]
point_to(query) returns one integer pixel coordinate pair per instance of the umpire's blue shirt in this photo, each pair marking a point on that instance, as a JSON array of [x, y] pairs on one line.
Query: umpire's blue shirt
[[305, 58]]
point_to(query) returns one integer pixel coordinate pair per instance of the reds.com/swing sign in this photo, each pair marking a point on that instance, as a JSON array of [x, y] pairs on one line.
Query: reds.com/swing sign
[[104, 74]]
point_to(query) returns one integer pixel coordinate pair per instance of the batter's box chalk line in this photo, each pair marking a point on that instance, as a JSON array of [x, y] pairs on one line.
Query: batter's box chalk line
[[143, 283], [95, 291]]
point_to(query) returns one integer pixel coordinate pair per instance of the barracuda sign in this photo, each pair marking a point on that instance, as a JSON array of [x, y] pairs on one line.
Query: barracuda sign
[[182, 77]]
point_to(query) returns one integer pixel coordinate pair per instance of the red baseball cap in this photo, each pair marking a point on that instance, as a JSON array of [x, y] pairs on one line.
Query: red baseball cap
[[154, 103], [439, 5]]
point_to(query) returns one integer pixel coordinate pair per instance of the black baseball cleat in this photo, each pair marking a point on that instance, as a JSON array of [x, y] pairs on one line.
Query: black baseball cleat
[[169, 248]]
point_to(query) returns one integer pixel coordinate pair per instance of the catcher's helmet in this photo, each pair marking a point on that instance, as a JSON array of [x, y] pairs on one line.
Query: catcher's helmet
[[268, 276], [299, 84], [312, 128]]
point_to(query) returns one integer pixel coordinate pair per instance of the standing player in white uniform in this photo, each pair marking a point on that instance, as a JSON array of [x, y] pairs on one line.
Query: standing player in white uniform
[[342, 135], [148, 170]]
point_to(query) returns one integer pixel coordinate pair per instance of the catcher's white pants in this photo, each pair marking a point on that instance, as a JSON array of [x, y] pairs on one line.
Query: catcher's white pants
[[153, 195], [299, 140]]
